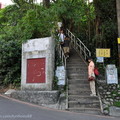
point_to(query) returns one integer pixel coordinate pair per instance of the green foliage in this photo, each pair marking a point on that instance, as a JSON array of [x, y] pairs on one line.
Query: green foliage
[[10, 52], [33, 21], [55, 83], [36, 25], [70, 12], [106, 35], [117, 104]]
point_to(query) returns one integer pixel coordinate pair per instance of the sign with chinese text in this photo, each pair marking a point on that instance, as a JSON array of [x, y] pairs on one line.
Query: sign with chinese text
[[101, 52], [111, 74], [118, 40], [100, 59], [60, 73]]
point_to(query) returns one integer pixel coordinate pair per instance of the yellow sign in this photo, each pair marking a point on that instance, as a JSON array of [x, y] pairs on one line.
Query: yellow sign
[[118, 40], [102, 52]]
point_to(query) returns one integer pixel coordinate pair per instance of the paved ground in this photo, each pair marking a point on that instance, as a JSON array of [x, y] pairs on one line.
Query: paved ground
[[11, 109]]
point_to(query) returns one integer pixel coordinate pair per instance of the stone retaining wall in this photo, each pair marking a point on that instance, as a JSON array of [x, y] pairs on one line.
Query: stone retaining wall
[[50, 99], [109, 93], [37, 97]]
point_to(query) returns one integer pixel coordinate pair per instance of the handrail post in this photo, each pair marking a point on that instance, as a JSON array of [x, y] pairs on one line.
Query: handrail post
[[84, 53], [80, 48]]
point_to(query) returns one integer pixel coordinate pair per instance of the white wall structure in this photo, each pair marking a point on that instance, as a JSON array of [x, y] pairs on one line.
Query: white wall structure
[[37, 49]]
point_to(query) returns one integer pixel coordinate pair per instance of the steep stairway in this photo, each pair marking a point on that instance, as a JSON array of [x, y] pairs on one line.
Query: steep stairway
[[79, 99]]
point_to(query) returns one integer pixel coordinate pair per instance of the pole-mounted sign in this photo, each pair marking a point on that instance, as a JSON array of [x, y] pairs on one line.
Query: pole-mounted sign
[[102, 52]]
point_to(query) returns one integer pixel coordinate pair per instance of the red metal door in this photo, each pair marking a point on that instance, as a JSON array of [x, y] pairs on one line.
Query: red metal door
[[36, 70]]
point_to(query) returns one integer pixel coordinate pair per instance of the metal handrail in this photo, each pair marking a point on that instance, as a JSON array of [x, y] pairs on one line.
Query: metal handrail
[[64, 59], [79, 45], [62, 56]]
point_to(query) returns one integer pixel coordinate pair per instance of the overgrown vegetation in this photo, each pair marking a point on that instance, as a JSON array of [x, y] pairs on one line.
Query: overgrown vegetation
[[95, 24], [33, 21]]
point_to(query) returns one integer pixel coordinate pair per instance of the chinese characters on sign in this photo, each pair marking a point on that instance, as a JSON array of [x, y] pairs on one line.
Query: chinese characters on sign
[[102, 52]]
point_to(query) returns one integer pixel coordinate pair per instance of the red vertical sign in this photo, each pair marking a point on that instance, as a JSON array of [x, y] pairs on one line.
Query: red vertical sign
[[36, 70]]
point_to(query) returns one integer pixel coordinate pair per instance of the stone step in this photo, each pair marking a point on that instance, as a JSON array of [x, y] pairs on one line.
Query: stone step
[[77, 74], [82, 98], [93, 111], [78, 92], [76, 69], [79, 89], [75, 58], [75, 63], [78, 77], [75, 104], [79, 86], [77, 66], [78, 81]]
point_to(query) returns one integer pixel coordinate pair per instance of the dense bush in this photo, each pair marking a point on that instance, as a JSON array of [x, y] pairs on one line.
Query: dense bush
[[10, 59], [31, 22]]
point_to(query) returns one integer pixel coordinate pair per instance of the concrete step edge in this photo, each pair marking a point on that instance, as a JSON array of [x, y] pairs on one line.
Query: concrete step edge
[[83, 102]]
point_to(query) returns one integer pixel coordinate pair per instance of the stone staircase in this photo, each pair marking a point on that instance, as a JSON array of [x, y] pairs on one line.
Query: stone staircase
[[79, 99]]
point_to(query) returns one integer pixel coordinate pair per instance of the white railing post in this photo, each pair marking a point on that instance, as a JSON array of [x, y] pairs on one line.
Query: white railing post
[[80, 48]]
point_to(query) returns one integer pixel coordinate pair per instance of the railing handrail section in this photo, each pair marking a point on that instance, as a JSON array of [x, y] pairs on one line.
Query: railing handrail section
[[63, 58], [78, 45]]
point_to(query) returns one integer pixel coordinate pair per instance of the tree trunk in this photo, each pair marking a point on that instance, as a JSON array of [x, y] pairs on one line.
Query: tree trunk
[[46, 3]]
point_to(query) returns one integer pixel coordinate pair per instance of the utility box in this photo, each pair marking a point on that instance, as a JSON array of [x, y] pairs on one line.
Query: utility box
[[111, 74], [38, 64]]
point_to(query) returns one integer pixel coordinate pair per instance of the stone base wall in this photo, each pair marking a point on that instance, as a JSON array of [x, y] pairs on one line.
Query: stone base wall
[[50, 99], [109, 93], [37, 97]]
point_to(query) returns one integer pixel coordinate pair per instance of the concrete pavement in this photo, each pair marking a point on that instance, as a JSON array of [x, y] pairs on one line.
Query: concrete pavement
[[11, 109]]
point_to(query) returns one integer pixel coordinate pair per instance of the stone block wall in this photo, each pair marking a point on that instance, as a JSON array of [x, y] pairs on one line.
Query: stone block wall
[[109, 93], [50, 99], [37, 97]]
